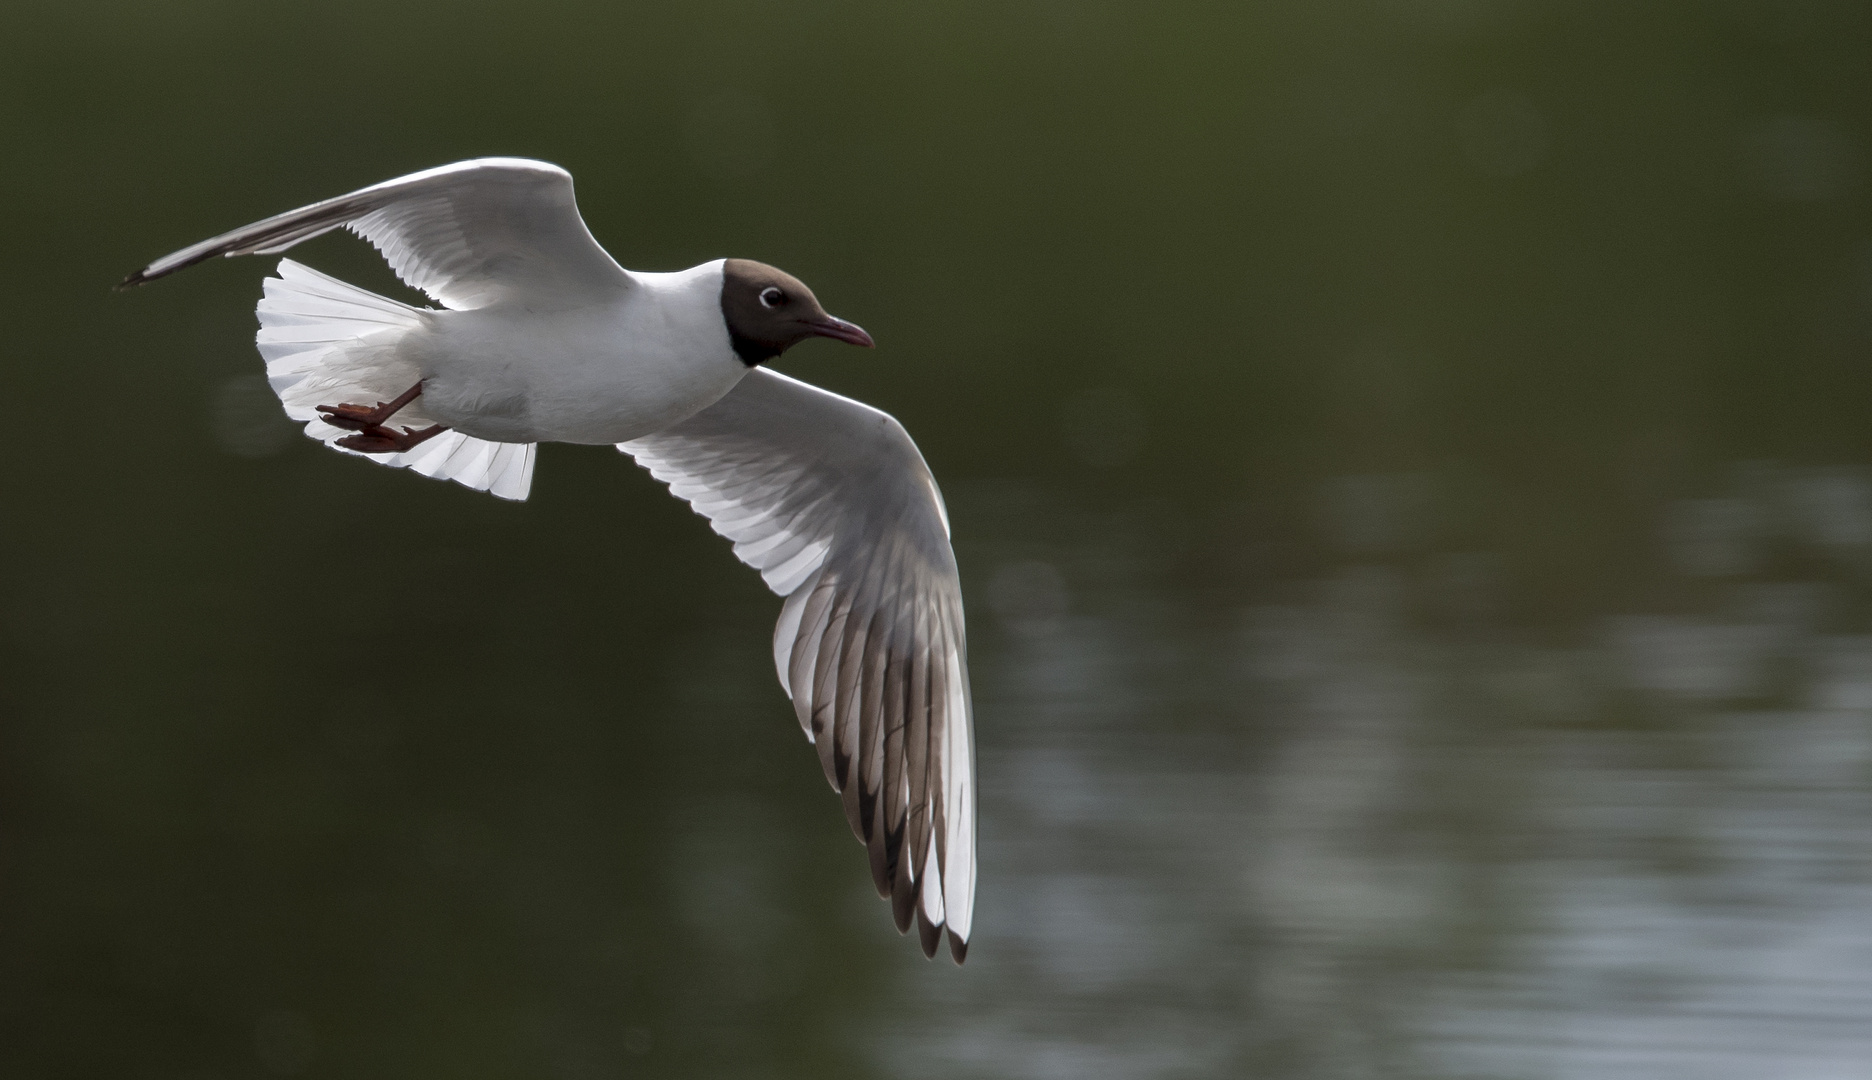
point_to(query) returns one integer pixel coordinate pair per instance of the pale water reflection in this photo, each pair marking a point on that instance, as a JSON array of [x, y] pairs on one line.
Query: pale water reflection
[[1323, 839]]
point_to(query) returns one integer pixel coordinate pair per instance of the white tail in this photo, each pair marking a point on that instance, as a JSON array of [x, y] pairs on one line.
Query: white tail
[[326, 342]]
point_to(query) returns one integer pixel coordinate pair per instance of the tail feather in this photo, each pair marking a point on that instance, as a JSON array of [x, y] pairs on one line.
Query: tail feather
[[503, 469], [327, 342]]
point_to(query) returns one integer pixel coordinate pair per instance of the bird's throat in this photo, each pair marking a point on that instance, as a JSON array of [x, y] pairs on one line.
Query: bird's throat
[[751, 352]]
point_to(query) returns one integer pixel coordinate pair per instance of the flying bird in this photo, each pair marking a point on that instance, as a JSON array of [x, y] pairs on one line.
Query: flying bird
[[540, 336]]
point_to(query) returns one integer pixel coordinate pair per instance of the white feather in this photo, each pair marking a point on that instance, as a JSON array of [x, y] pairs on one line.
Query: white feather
[[327, 342]]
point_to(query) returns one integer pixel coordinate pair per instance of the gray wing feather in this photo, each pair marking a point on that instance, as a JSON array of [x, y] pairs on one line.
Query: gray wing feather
[[468, 234], [830, 500]]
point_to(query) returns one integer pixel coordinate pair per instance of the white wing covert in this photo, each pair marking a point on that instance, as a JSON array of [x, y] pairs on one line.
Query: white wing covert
[[468, 234], [830, 500]]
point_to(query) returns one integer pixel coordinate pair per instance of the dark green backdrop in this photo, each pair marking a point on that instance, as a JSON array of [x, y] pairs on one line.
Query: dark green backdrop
[[1409, 466]]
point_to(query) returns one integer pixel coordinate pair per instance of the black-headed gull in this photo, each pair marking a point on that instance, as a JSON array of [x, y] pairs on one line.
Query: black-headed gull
[[542, 337]]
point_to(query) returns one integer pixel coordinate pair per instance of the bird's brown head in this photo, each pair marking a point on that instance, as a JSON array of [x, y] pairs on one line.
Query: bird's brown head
[[769, 311]]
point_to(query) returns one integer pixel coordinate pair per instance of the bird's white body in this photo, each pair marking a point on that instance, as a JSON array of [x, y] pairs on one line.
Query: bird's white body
[[601, 373], [543, 337]]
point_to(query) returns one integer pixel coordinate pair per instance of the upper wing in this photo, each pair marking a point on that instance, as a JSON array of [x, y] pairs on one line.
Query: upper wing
[[830, 500], [468, 234]]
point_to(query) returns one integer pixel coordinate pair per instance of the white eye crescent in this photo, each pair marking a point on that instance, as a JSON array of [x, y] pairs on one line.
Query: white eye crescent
[[771, 297]]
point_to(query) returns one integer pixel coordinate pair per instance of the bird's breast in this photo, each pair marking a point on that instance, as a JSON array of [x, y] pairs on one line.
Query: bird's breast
[[594, 375]]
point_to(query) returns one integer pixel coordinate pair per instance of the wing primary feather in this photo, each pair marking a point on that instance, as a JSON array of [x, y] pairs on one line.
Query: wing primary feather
[[880, 670], [916, 737], [838, 706], [877, 837], [879, 657], [787, 635], [903, 891], [956, 832], [825, 703], [869, 652], [886, 857], [804, 657], [867, 821], [899, 700], [957, 889], [917, 813], [851, 725], [899, 697], [928, 934]]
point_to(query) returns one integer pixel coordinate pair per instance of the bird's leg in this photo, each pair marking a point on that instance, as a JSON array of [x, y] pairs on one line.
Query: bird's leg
[[373, 436], [359, 417]]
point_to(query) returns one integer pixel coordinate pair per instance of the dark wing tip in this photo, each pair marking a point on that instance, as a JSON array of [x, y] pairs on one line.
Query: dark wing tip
[[928, 934], [958, 948], [150, 273], [903, 903]]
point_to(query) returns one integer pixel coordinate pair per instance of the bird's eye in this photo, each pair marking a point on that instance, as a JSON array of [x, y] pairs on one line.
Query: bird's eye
[[771, 297]]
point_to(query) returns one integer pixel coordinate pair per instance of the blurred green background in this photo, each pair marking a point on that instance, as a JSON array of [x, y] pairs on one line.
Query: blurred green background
[[1409, 464]]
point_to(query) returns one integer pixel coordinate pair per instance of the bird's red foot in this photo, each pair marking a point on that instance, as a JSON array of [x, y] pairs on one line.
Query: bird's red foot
[[378, 439], [370, 422]]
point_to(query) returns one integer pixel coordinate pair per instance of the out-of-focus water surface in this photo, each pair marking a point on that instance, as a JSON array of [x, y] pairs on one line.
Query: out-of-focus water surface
[[1411, 467]]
